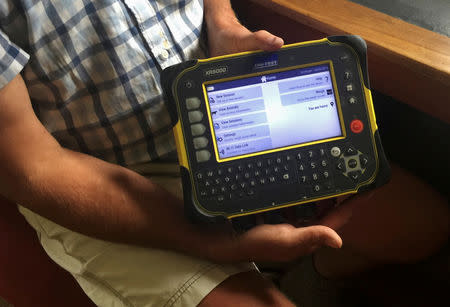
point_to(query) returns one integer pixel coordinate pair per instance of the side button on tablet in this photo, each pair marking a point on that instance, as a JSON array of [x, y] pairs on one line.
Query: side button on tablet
[[192, 103], [347, 75], [356, 126], [195, 116], [198, 129], [344, 57], [200, 142], [203, 155]]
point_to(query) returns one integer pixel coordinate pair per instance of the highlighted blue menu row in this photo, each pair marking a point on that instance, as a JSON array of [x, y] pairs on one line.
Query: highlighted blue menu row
[[266, 78]]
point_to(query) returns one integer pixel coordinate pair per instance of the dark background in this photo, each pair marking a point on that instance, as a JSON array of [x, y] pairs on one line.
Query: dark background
[[414, 140]]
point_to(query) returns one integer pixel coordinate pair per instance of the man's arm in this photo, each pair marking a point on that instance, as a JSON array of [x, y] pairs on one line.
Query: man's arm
[[78, 191], [110, 202]]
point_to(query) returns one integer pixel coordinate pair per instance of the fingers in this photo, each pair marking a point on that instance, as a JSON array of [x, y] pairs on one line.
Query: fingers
[[237, 38], [283, 242], [318, 236], [265, 41]]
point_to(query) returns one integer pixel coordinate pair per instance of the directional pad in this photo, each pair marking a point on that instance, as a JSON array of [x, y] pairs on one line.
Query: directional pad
[[352, 163]]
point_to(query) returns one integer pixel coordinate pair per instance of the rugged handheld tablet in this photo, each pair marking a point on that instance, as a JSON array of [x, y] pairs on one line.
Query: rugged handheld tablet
[[257, 131]]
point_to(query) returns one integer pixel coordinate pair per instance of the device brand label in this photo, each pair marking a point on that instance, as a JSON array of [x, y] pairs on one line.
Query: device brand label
[[216, 71], [265, 61]]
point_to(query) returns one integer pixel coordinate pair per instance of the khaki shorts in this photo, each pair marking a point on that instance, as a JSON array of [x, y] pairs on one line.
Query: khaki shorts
[[123, 275]]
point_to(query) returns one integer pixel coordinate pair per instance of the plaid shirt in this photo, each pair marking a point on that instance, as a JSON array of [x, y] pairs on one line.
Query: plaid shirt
[[92, 69]]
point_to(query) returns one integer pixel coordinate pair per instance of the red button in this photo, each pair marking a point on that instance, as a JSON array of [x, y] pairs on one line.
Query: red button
[[357, 126]]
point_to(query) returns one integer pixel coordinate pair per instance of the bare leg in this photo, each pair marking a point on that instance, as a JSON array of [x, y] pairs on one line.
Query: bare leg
[[246, 289], [404, 221]]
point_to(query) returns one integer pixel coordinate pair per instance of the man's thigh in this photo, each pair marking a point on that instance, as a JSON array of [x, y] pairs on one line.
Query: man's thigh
[[122, 275]]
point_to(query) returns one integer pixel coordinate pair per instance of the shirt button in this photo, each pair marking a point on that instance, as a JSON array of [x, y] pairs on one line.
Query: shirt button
[[166, 44], [164, 55]]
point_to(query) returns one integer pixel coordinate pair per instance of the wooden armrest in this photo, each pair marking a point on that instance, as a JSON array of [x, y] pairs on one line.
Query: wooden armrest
[[407, 62]]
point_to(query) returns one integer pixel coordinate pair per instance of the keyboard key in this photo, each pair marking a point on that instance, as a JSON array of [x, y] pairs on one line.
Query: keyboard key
[[350, 151], [354, 175], [315, 176], [352, 163], [363, 160], [304, 179], [341, 165]]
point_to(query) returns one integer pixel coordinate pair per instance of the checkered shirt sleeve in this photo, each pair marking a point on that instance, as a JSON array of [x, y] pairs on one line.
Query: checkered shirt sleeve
[[12, 59]]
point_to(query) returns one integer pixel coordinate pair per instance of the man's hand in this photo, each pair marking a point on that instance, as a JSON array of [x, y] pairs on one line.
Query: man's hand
[[226, 35], [234, 37], [266, 242]]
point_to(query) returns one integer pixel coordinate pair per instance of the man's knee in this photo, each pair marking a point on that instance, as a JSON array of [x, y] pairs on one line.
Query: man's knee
[[404, 221]]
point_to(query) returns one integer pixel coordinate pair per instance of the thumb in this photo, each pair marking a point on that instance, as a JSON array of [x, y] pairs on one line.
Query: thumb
[[265, 41], [316, 236]]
